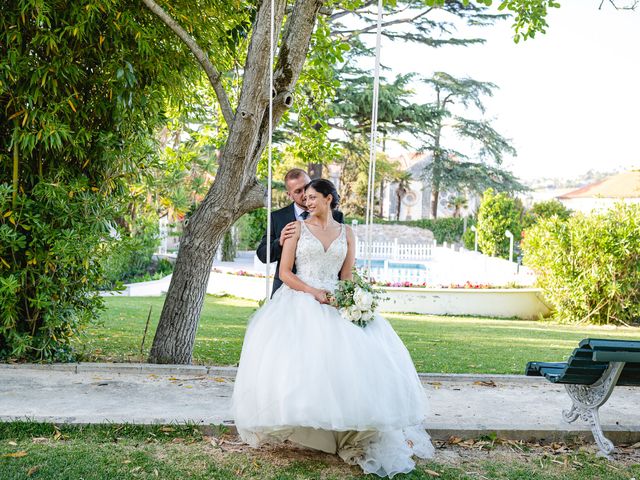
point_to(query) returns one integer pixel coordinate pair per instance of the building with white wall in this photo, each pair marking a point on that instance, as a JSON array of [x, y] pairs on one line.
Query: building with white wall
[[602, 195]]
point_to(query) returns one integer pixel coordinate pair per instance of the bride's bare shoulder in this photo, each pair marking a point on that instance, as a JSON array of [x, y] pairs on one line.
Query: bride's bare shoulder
[[349, 231]]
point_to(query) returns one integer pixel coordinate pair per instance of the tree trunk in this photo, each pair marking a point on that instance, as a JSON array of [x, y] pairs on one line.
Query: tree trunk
[[176, 333], [235, 190], [435, 198]]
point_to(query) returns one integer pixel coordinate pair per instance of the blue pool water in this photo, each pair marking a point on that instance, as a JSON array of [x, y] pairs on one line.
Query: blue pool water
[[390, 264], [360, 263]]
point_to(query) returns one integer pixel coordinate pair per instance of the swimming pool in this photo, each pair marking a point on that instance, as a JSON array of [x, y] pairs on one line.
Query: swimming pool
[[395, 271]]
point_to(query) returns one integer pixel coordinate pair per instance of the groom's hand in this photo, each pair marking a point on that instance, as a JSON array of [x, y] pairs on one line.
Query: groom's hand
[[287, 232]]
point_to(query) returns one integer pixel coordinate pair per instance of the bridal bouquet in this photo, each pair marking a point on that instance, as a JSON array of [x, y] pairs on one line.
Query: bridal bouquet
[[356, 300]]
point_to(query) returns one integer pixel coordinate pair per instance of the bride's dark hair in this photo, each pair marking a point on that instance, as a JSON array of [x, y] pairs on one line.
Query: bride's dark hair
[[325, 187]]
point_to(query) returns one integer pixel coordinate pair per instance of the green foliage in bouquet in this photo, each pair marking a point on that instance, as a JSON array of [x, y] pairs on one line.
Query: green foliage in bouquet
[[356, 299]]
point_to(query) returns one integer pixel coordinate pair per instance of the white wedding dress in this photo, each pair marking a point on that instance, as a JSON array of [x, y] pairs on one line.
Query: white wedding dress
[[309, 376]]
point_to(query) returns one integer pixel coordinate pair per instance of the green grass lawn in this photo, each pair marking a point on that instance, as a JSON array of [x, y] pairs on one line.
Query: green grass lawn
[[126, 452], [437, 343]]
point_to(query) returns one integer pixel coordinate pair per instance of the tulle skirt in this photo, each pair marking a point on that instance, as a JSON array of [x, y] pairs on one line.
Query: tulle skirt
[[311, 377]]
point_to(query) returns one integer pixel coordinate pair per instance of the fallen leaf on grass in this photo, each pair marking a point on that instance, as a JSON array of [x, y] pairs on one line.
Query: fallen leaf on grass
[[13, 444], [32, 470], [485, 383], [39, 439], [431, 472], [20, 454], [167, 429]]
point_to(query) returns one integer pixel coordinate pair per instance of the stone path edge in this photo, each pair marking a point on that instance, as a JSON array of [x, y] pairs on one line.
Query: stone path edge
[[616, 434], [230, 372]]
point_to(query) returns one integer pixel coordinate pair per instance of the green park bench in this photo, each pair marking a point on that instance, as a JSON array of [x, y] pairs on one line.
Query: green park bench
[[589, 376]]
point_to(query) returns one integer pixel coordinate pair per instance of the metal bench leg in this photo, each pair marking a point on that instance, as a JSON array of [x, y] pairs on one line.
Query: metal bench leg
[[587, 399]]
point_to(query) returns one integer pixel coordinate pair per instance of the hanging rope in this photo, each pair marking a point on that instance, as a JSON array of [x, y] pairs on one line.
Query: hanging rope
[[373, 145], [269, 153]]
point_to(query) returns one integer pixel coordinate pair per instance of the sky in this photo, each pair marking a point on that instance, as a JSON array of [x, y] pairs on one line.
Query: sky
[[569, 99]]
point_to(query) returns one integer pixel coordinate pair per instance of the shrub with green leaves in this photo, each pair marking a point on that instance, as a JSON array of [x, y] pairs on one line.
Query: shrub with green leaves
[[498, 213], [50, 243], [251, 227], [589, 265], [545, 209], [82, 88], [131, 260], [448, 230]]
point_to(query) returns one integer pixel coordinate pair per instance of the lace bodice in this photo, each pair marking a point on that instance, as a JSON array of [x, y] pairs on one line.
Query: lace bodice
[[314, 265]]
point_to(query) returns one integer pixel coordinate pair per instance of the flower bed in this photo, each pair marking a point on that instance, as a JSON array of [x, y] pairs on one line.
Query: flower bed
[[465, 299]]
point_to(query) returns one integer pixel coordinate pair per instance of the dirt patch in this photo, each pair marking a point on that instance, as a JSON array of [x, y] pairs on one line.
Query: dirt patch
[[455, 452]]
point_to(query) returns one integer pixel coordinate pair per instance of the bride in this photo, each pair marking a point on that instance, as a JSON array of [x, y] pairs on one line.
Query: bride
[[310, 377]]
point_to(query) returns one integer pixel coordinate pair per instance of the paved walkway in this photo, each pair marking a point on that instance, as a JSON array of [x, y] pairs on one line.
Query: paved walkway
[[511, 406]]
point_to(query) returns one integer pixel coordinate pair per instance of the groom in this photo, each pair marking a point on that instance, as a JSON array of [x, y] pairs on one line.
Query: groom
[[283, 220]]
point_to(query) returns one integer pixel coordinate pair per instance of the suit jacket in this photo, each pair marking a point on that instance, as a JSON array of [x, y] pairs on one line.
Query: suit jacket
[[279, 220]]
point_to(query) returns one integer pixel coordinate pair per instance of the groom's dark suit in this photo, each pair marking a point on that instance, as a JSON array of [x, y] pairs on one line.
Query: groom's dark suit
[[279, 220]]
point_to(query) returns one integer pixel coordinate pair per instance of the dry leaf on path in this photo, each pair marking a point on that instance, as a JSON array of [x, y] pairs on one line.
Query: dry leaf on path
[[485, 383]]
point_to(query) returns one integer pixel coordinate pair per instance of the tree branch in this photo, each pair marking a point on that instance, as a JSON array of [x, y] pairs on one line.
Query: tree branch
[[291, 58], [201, 56], [385, 24]]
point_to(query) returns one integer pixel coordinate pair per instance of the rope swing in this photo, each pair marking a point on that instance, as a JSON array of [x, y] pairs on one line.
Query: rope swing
[[372, 148], [373, 145], [270, 152]]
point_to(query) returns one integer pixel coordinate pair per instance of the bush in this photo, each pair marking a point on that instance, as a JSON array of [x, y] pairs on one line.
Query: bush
[[589, 266], [469, 237], [228, 247], [132, 259], [543, 210], [251, 227], [444, 229], [498, 213], [51, 243]]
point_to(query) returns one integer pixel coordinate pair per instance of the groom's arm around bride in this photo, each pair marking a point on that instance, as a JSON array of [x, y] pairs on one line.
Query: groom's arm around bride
[[282, 220]]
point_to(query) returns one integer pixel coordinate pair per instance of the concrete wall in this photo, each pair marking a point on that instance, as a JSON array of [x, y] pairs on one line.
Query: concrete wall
[[523, 303]]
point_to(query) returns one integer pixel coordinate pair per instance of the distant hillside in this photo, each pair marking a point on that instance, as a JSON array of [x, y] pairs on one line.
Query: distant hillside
[[578, 181]]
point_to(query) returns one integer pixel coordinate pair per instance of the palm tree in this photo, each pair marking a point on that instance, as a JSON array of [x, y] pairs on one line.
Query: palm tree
[[402, 180], [458, 203]]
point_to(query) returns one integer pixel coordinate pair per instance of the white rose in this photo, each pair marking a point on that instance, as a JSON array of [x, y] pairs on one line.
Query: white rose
[[363, 299], [353, 314], [366, 316]]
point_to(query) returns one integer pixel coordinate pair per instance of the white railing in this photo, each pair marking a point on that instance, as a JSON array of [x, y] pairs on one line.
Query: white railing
[[395, 251]]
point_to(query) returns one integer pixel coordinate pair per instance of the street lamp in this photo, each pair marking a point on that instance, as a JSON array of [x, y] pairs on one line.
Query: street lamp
[[475, 242], [509, 235]]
